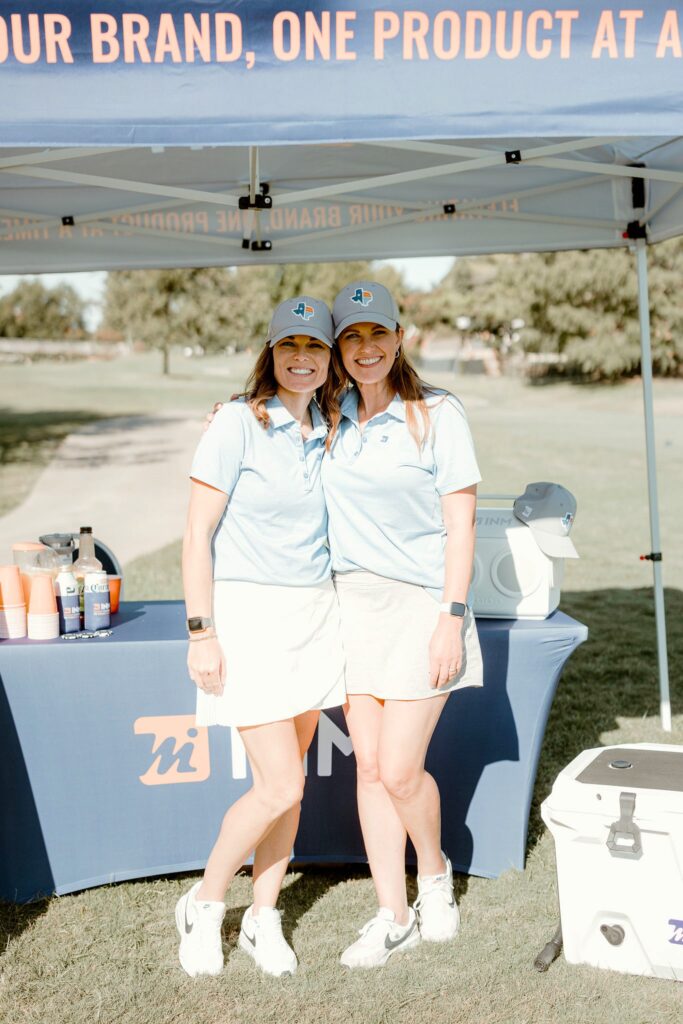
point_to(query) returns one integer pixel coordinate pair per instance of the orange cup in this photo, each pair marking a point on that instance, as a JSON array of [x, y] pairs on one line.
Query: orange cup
[[11, 590], [43, 600], [114, 592]]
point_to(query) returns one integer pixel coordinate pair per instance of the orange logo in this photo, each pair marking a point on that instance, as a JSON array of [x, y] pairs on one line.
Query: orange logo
[[180, 749]]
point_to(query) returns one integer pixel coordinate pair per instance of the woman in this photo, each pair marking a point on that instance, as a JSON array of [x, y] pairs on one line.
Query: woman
[[400, 485], [264, 648]]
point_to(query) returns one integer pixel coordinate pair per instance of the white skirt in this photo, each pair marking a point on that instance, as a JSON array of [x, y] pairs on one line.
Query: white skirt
[[386, 629], [282, 649]]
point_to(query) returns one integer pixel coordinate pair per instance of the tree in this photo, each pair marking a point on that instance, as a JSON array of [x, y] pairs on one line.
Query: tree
[[33, 311], [218, 306], [580, 305]]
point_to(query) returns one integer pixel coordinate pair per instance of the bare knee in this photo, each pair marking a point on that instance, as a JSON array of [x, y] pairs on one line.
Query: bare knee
[[367, 768], [281, 795], [401, 782]]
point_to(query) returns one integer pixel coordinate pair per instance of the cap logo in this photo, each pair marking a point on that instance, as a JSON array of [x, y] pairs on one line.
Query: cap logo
[[526, 511], [363, 297], [303, 310], [567, 520]]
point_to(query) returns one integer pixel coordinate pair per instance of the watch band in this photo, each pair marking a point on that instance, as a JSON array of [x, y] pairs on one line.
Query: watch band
[[454, 608], [195, 624]]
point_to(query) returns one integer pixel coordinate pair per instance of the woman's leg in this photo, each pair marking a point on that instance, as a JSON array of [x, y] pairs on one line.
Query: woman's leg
[[383, 832], [273, 852], [275, 759], [407, 728]]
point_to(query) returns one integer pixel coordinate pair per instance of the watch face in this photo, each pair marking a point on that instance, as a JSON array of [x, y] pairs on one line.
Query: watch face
[[194, 624]]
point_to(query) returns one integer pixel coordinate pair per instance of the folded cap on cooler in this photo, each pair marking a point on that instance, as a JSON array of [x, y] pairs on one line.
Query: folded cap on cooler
[[548, 510], [301, 315], [364, 302]]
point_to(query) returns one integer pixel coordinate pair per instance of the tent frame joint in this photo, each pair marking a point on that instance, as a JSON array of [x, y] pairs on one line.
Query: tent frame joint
[[449, 208], [68, 221], [635, 230], [262, 200], [654, 556], [513, 156], [264, 246]]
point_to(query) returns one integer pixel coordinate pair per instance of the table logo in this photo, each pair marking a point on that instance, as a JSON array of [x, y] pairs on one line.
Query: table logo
[[180, 749], [677, 937]]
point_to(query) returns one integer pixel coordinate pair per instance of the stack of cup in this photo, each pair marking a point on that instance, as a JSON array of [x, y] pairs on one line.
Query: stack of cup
[[12, 605], [43, 616]]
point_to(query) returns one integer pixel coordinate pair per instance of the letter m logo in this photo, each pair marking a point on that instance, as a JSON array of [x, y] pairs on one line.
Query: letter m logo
[[180, 749], [677, 937]]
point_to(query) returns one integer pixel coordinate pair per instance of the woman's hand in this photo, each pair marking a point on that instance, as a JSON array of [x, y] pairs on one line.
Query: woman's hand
[[206, 665], [445, 650], [208, 419]]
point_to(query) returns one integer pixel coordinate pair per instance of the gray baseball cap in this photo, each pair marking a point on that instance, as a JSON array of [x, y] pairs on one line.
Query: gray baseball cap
[[548, 510], [301, 315], [364, 302]]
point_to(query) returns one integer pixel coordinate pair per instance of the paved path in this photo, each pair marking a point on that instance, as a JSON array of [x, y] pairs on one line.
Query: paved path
[[125, 477]]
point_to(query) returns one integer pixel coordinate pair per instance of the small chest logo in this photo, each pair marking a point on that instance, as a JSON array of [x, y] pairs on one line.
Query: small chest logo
[[677, 937], [362, 297], [303, 310], [384, 438]]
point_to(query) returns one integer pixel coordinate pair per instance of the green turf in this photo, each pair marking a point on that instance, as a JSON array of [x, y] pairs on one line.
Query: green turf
[[109, 954]]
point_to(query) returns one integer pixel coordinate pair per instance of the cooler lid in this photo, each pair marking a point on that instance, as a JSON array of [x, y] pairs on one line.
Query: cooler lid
[[636, 768]]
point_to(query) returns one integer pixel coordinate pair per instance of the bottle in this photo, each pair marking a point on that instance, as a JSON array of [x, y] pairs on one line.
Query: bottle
[[86, 562], [67, 602], [96, 596]]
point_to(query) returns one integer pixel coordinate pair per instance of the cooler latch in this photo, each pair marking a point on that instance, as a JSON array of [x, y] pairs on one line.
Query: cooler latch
[[624, 835]]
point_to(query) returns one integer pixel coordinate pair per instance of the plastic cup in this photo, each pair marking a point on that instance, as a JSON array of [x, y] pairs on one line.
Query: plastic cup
[[42, 600], [43, 626], [12, 623], [114, 592], [11, 590]]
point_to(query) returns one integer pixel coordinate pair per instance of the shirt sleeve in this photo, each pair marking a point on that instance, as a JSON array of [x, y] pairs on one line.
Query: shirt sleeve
[[455, 462], [218, 458]]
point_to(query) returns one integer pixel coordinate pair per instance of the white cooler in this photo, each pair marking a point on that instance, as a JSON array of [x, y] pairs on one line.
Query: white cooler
[[512, 578], [616, 814]]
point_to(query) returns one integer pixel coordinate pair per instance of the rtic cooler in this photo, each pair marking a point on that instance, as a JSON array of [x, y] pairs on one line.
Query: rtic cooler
[[616, 814]]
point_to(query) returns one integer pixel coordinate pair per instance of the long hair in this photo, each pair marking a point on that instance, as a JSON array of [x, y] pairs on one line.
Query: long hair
[[403, 380], [262, 385]]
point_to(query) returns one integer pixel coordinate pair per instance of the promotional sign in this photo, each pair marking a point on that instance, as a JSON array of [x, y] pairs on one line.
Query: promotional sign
[[260, 72]]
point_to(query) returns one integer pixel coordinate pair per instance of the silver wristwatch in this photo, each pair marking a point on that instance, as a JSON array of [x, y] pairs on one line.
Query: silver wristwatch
[[196, 624]]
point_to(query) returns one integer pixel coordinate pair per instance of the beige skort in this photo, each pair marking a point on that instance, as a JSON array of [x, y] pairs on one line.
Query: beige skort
[[386, 628]]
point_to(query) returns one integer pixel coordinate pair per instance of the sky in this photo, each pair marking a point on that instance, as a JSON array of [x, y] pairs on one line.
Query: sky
[[420, 273]]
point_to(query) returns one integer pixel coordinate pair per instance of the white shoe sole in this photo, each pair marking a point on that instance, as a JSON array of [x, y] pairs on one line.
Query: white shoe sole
[[248, 947], [186, 961], [410, 943]]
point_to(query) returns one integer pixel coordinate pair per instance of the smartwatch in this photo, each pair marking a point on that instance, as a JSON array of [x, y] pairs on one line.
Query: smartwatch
[[454, 608], [197, 624]]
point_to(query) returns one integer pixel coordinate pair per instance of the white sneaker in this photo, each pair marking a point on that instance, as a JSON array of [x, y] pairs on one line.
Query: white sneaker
[[436, 908], [199, 925], [380, 938], [261, 937]]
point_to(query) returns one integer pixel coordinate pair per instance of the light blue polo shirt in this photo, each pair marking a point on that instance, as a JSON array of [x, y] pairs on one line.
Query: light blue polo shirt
[[383, 494], [274, 528]]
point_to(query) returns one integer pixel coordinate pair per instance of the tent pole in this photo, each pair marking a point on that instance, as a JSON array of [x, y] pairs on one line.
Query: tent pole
[[646, 374]]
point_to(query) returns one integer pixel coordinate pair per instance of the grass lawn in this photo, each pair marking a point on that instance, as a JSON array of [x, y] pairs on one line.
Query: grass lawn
[[109, 954]]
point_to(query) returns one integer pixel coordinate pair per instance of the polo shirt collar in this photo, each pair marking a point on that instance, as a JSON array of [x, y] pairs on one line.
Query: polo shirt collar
[[349, 407], [280, 416]]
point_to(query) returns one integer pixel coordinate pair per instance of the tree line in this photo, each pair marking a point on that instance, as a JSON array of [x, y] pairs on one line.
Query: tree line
[[579, 306]]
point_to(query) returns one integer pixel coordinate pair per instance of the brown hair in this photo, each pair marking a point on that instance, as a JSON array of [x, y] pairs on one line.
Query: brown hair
[[262, 385], [404, 381]]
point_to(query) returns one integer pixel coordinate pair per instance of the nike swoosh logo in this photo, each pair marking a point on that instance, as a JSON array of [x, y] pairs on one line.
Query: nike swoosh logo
[[188, 926], [389, 944], [247, 936]]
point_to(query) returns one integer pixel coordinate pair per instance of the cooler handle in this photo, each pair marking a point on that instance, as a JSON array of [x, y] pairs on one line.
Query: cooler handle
[[624, 835]]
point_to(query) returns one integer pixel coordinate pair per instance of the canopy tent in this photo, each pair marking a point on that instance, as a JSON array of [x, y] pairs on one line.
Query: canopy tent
[[243, 132]]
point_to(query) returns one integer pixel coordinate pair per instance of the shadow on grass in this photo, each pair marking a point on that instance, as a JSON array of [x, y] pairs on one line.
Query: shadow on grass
[[613, 675], [23, 434]]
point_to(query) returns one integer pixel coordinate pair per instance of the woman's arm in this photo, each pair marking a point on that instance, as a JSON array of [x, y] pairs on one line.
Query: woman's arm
[[205, 659], [459, 510]]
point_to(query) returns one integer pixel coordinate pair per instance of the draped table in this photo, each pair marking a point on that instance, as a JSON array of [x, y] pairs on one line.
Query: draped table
[[105, 776]]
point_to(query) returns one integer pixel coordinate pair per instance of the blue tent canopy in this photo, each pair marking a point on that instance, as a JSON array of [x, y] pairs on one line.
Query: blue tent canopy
[[255, 132]]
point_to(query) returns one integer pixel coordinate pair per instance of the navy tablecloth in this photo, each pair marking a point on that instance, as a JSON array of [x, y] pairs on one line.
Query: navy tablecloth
[[105, 777]]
